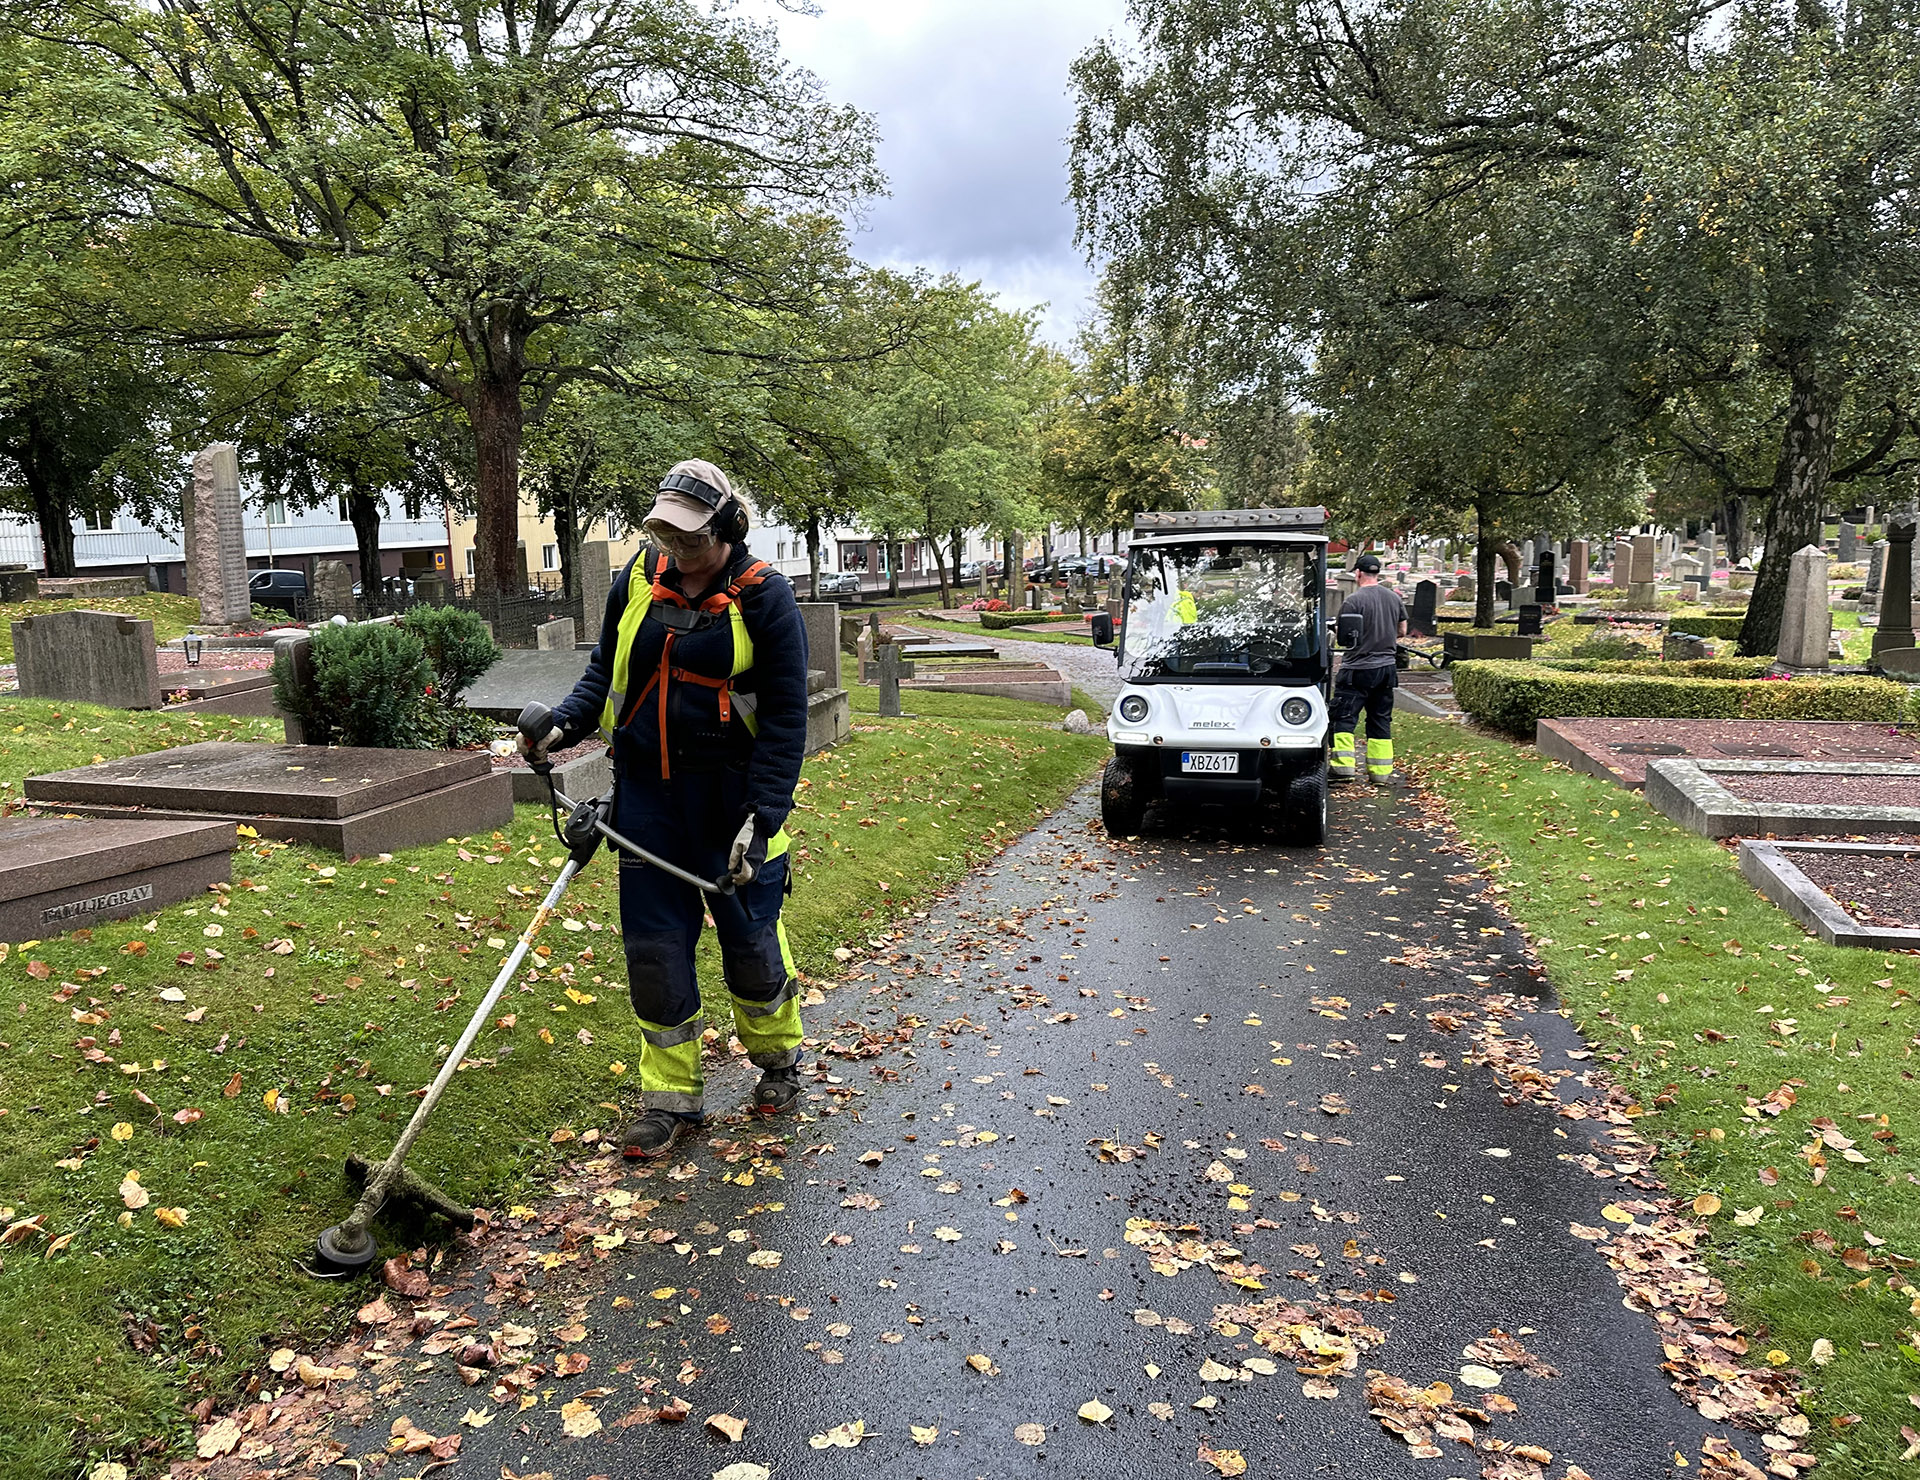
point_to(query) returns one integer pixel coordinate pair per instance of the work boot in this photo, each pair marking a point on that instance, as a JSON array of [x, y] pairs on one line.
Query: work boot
[[656, 1133], [1391, 779], [778, 1091]]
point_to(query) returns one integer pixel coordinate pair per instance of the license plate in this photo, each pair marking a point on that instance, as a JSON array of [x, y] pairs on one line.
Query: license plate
[[1210, 762]]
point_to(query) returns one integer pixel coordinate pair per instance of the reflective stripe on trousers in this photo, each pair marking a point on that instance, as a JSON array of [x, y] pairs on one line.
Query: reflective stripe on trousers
[[1379, 757]]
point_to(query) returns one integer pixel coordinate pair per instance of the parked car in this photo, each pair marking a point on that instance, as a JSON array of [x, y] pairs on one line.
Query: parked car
[[390, 586], [970, 571], [838, 583], [1102, 566], [1072, 565], [285, 590]]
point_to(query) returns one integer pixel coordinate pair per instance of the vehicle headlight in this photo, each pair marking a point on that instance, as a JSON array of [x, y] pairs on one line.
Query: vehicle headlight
[[1133, 709], [1296, 711]]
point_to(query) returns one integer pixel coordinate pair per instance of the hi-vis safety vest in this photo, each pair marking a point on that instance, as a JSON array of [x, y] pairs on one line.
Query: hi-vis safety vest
[[649, 595]]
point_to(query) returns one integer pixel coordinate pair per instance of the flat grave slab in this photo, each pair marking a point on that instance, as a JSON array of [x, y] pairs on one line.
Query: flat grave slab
[[1848, 894], [1617, 750], [63, 873], [349, 799], [523, 675], [1730, 799]]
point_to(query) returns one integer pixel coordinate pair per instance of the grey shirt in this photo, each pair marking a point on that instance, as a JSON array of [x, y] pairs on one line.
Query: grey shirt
[[1384, 612]]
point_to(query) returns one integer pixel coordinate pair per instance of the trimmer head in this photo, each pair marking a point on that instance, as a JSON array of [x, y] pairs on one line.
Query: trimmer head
[[344, 1250]]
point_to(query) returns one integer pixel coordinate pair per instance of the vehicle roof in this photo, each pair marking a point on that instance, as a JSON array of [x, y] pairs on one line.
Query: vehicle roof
[[1154, 539], [1305, 518]]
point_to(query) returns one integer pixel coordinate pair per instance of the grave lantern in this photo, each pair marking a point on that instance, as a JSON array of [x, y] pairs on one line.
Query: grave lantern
[[193, 646]]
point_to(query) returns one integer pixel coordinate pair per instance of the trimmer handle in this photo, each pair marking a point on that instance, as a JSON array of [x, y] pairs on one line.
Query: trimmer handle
[[536, 723]]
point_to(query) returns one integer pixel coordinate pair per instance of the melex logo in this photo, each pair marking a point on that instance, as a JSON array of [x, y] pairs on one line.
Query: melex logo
[[73, 909], [1212, 724]]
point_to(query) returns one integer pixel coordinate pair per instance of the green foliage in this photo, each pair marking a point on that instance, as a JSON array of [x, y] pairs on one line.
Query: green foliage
[[1613, 645], [457, 644], [1706, 626], [367, 684], [1684, 668], [1514, 696]]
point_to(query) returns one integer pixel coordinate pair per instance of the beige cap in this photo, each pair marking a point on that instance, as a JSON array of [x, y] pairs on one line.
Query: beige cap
[[684, 510]]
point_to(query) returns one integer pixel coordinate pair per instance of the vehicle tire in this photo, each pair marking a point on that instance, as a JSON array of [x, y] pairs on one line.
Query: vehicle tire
[[1122, 809], [1305, 824]]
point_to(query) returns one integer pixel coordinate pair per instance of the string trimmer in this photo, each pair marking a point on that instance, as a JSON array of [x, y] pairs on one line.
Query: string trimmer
[[349, 1246]]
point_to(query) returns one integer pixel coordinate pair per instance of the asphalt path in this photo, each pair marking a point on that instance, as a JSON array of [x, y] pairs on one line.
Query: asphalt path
[[1061, 1126]]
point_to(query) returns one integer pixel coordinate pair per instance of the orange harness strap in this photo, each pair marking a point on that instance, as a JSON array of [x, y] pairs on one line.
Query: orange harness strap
[[753, 575]]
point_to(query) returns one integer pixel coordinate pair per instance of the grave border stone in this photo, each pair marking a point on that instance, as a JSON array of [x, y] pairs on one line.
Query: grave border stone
[[1770, 868]]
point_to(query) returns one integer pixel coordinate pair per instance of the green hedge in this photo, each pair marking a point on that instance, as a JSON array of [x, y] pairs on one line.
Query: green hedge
[[1655, 668], [1515, 696], [998, 621]]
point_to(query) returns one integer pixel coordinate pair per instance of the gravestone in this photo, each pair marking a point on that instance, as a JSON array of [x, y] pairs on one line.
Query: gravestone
[[63, 873], [829, 711], [822, 622], [1806, 625], [593, 577], [1896, 589], [892, 670], [555, 636], [1876, 567], [1709, 553], [1426, 601], [19, 585], [295, 653], [1682, 647], [216, 544], [1622, 563], [1579, 566], [89, 658], [1503, 591], [1640, 592], [1529, 624], [1847, 549], [1545, 585], [430, 589], [332, 590], [1691, 590], [349, 799]]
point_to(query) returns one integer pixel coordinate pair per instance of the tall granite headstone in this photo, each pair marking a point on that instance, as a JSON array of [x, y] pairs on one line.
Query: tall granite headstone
[[1896, 586], [1847, 550], [1579, 566], [822, 622], [1426, 601], [1876, 567], [1806, 626], [1640, 588], [216, 543], [89, 658], [1545, 586], [332, 589], [1622, 563], [593, 578]]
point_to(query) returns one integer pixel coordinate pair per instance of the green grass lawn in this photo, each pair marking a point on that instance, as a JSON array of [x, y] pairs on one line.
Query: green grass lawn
[[169, 614], [1712, 1000], [311, 999], [40, 735]]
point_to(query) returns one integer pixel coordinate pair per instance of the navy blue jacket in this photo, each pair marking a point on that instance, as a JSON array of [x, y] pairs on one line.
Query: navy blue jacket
[[698, 742]]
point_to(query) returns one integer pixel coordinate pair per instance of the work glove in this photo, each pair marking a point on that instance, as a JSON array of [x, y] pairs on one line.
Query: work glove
[[749, 853], [536, 751]]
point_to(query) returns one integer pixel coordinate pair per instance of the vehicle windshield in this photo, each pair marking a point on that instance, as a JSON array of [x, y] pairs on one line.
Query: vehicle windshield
[[1238, 608]]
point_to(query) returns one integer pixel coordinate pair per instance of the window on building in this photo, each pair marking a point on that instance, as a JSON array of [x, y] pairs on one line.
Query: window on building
[[276, 511], [105, 523], [853, 556], [615, 530], [345, 517], [469, 564], [549, 557], [783, 551]]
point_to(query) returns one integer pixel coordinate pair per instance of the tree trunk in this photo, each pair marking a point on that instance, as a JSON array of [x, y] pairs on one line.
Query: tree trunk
[[1735, 516], [1485, 550], [896, 552], [363, 513], [494, 410], [54, 511], [1796, 510], [566, 533], [940, 569], [813, 557]]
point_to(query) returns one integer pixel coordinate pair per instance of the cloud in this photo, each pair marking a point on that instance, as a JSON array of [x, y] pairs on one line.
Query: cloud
[[972, 102]]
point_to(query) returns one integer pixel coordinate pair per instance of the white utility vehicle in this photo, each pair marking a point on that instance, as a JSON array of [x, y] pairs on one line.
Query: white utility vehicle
[[1223, 648]]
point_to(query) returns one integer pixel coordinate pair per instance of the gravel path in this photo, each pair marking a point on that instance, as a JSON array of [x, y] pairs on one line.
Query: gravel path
[[1117, 1158]]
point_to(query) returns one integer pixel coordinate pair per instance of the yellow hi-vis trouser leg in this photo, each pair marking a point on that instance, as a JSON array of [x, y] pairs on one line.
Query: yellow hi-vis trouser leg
[[1342, 762], [768, 1028], [1379, 758], [670, 1076]]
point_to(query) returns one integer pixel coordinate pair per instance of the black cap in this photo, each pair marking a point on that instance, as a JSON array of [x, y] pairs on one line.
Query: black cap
[[1368, 563]]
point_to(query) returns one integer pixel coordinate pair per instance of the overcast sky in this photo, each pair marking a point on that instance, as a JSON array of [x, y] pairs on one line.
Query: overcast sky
[[971, 101]]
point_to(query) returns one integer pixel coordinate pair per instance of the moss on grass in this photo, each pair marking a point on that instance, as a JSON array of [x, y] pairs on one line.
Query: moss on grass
[[1704, 999]]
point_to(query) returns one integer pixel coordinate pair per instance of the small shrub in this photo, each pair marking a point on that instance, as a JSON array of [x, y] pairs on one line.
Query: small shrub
[[1515, 697], [1612, 645], [1703, 624], [368, 685]]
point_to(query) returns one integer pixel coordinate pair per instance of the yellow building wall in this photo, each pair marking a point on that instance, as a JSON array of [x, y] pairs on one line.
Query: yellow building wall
[[536, 533]]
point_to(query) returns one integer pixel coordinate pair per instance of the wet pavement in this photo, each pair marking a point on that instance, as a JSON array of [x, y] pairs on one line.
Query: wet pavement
[[1220, 1138]]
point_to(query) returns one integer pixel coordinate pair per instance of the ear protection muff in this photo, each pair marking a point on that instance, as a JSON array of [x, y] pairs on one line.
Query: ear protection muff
[[730, 521]]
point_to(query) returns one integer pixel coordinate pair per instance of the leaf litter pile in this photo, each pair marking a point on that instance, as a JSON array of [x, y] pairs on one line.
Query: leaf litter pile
[[508, 1309]]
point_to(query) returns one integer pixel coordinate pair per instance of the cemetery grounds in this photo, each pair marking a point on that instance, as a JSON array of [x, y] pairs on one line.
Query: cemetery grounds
[[177, 1091]]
